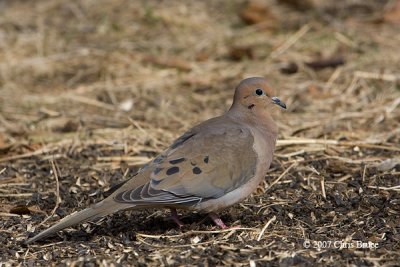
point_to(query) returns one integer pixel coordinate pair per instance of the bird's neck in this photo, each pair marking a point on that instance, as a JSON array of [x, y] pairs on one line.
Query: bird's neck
[[258, 118]]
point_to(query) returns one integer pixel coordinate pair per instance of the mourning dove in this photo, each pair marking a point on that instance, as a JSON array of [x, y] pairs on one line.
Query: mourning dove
[[212, 166]]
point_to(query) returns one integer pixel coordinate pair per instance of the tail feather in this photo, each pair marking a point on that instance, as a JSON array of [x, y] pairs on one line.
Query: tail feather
[[91, 213]]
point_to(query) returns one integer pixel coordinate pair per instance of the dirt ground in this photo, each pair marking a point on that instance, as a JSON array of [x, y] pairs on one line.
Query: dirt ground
[[91, 90]]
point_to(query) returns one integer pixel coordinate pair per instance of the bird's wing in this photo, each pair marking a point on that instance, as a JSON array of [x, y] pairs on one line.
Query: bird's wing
[[208, 161]]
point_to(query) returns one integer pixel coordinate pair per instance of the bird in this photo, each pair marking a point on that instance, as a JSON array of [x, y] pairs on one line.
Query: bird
[[212, 166]]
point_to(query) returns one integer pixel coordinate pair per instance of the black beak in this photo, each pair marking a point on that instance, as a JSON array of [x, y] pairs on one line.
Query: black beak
[[278, 102]]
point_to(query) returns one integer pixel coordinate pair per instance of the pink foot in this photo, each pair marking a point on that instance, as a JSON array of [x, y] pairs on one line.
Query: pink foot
[[175, 218], [217, 220]]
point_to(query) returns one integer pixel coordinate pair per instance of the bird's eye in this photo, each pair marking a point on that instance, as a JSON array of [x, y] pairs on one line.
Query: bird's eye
[[259, 92]]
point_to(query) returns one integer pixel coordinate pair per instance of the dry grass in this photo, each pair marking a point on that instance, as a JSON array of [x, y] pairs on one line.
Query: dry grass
[[90, 90]]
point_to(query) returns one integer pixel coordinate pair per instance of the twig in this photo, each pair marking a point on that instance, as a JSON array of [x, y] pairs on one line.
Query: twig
[[396, 188], [125, 158], [289, 142], [27, 155], [91, 102], [26, 254], [18, 195], [177, 246], [292, 154], [47, 149], [291, 41], [377, 76], [197, 232], [49, 245], [3, 170], [344, 178], [265, 227], [14, 184], [345, 40], [391, 148], [6, 214], [323, 188], [363, 174], [333, 77], [283, 174], [351, 161], [58, 198]]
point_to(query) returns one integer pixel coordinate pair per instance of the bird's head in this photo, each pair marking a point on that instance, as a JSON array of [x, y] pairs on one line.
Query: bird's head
[[255, 95]]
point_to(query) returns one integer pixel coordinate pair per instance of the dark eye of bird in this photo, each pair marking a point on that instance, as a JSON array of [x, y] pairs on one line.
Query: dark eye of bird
[[259, 91]]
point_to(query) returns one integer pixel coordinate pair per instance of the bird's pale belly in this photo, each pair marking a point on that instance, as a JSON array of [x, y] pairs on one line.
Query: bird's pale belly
[[229, 199]]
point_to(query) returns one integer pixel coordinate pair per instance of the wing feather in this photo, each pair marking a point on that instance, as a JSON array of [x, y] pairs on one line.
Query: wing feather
[[209, 161]]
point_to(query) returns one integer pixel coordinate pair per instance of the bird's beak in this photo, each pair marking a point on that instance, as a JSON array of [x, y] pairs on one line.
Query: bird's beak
[[278, 102]]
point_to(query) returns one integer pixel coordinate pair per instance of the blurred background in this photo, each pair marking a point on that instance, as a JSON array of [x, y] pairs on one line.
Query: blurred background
[[95, 64], [98, 87]]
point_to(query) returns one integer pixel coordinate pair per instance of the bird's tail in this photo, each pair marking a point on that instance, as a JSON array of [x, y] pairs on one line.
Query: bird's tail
[[97, 210]]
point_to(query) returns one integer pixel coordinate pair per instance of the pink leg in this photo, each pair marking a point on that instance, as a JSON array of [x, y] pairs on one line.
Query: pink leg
[[217, 220], [175, 218]]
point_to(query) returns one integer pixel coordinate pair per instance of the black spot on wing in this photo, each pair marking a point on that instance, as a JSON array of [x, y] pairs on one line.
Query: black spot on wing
[[176, 161], [196, 170], [157, 171], [182, 140], [172, 170], [206, 159]]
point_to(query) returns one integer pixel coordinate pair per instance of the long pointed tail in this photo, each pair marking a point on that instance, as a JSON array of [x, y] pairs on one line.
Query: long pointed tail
[[97, 210]]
